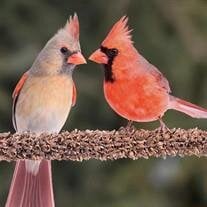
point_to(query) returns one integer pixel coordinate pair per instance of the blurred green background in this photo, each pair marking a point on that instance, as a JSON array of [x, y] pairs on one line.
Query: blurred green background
[[172, 34]]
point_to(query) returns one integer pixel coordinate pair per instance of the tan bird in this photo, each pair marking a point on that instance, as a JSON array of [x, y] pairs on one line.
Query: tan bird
[[41, 103]]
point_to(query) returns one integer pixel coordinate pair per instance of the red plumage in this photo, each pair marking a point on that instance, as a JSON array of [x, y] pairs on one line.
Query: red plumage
[[133, 87]]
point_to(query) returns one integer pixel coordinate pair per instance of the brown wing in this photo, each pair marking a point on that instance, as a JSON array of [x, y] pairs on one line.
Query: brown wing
[[15, 96]]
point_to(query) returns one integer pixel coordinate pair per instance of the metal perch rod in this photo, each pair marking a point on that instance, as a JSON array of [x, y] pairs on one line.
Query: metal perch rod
[[80, 145]]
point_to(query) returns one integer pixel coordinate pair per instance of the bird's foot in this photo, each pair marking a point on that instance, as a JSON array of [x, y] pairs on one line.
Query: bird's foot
[[163, 127], [130, 126]]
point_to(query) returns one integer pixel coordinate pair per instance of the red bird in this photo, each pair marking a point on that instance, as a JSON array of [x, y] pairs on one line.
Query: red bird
[[41, 103], [134, 88]]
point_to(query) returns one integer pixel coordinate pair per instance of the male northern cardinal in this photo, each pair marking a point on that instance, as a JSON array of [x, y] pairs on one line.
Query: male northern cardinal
[[42, 100], [134, 88]]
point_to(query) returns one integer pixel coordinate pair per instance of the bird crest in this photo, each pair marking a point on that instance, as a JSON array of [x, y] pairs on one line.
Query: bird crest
[[119, 33], [72, 26]]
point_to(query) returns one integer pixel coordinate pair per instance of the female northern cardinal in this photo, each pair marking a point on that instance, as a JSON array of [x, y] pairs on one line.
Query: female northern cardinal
[[133, 87], [42, 100]]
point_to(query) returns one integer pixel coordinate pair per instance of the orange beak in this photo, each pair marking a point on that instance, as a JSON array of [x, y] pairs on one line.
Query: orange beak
[[99, 57], [76, 59]]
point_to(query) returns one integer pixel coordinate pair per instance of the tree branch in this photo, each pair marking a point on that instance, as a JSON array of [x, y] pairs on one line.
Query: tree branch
[[103, 145]]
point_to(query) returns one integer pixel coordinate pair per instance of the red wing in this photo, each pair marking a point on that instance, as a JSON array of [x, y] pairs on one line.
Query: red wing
[[15, 96], [74, 96], [160, 78], [19, 85]]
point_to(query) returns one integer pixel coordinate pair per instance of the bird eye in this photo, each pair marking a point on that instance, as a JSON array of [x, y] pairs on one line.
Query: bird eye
[[113, 52], [64, 50]]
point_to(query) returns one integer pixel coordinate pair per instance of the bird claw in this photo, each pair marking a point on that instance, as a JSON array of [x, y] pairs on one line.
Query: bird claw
[[163, 127], [130, 126]]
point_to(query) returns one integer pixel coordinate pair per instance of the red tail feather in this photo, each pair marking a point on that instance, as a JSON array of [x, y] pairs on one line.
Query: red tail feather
[[29, 190], [188, 108]]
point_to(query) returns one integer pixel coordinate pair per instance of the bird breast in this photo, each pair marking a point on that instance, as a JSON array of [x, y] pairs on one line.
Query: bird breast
[[139, 98], [44, 103]]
